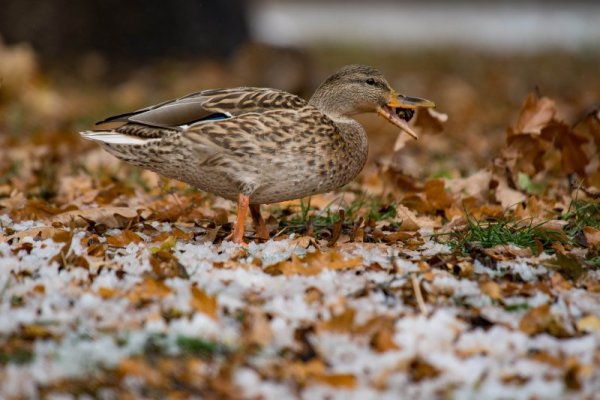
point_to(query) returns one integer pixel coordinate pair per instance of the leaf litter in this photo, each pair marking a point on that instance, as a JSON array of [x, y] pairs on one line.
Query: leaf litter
[[116, 283]]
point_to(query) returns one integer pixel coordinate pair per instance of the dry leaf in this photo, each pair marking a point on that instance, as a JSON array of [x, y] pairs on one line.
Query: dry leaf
[[123, 239], [148, 290], [491, 289], [383, 340], [112, 217], [506, 196], [589, 323], [592, 236], [204, 303], [437, 196], [347, 381], [256, 327], [430, 120], [41, 232], [313, 263], [573, 157], [410, 222], [342, 322], [476, 185], [535, 114], [107, 293], [541, 320]]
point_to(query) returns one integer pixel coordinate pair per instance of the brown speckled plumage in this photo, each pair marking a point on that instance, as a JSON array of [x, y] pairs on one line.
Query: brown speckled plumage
[[266, 144]]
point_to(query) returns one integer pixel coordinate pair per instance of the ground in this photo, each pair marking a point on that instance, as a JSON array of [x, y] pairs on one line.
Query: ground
[[460, 266]]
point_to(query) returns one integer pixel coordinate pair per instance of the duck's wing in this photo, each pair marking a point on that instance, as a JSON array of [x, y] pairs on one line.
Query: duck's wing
[[208, 105]]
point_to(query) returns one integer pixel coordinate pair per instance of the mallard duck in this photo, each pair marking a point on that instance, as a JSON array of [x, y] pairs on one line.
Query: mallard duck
[[259, 145]]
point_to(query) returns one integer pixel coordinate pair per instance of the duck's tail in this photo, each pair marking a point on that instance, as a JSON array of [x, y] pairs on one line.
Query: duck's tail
[[110, 137]]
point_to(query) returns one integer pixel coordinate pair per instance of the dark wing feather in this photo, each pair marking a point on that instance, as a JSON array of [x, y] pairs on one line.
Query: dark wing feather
[[209, 105]]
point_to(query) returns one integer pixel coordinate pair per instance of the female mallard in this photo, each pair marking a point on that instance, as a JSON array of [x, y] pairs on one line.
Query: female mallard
[[259, 145]]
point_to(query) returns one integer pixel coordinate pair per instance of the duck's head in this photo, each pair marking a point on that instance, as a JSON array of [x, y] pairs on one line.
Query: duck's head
[[357, 89]]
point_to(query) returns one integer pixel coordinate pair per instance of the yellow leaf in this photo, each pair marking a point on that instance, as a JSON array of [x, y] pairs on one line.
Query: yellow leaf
[[342, 322], [256, 328], [148, 289], [166, 245], [336, 380], [383, 340], [35, 331], [491, 289], [589, 323], [313, 263], [202, 302], [107, 293]]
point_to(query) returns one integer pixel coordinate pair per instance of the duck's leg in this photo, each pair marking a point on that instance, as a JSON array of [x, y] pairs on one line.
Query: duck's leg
[[238, 230], [259, 223]]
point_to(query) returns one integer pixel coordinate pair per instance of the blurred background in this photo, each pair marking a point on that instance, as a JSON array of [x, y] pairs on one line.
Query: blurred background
[[65, 65]]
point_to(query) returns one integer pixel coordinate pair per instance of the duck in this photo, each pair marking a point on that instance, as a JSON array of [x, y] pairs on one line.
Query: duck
[[260, 145]]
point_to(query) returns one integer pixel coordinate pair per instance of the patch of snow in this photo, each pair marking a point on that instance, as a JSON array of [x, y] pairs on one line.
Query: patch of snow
[[431, 248], [458, 287], [253, 386]]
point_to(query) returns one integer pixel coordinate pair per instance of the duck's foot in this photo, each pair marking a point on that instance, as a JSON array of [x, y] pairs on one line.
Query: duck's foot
[[238, 231], [262, 232]]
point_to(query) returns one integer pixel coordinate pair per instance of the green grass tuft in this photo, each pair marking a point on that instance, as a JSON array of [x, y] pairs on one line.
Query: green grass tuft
[[491, 233], [371, 208], [17, 356], [198, 347], [581, 214]]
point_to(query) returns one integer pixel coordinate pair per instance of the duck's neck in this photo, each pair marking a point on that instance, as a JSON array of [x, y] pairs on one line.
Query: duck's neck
[[337, 105]]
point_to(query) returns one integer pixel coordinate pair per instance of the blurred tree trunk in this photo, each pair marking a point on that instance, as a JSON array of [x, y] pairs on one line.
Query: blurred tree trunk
[[129, 32]]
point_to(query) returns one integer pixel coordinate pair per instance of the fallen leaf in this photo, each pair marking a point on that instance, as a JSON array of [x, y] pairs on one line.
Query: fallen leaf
[[313, 263], [35, 331], [570, 145], [507, 196], [589, 323], [410, 222], [568, 265], [41, 232], [437, 196], [476, 185], [420, 370], [341, 322], [491, 289], [204, 303], [383, 340], [112, 217], [107, 293], [430, 120], [147, 290], [541, 320], [347, 381], [256, 328], [592, 237], [123, 239], [535, 114]]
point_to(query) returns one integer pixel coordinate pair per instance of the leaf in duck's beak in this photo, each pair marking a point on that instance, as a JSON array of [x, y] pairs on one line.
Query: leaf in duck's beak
[[388, 111]]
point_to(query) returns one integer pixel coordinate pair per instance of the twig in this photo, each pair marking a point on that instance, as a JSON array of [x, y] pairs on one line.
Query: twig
[[418, 294]]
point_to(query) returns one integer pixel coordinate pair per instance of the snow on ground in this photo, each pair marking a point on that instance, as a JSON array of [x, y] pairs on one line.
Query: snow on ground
[[387, 327]]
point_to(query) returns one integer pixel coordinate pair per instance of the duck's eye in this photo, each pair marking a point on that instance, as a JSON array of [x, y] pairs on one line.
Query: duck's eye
[[371, 81]]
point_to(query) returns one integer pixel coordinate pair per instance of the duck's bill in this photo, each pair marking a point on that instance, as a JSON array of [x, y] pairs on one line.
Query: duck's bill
[[399, 107]]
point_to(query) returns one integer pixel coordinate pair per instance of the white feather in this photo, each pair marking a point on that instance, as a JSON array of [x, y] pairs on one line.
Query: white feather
[[186, 126], [112, 137]]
